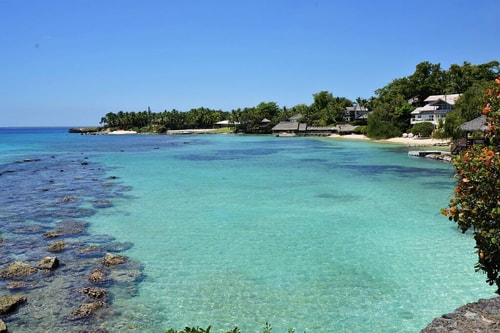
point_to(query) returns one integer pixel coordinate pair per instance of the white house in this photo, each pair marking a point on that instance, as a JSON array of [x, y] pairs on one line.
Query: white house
[[437, 108]]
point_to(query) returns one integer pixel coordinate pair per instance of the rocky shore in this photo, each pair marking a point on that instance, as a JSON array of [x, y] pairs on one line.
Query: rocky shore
[[54, 275], [481, 316]]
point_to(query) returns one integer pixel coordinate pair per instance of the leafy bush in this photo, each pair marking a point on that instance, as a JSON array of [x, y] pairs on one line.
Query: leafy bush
[[476, 203], [361, 130], [267, 329], [423, 129]]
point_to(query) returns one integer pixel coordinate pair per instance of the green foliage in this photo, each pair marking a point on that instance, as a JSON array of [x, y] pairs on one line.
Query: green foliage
[[476, 202], [191, 330], [380, 128], [267, 329], [326, 109], [394, 102], [361, 130], [423, 129]]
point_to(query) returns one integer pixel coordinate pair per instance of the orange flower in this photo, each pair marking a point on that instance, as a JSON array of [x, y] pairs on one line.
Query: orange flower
[[488, 91], [497, 80], [486, 109]]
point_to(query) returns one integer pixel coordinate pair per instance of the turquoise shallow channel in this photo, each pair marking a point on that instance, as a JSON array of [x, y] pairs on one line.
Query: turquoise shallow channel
[[319, 235]]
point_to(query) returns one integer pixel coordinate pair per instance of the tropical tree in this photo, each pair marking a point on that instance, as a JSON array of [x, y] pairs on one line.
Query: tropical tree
[[425, 81], [476, 202]]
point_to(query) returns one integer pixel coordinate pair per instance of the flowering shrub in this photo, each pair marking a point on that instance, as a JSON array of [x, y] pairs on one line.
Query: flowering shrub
[[476, 202]]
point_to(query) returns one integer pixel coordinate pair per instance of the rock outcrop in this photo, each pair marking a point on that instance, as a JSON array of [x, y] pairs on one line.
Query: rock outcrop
[[111, 259], [18, 270], [49, 263], [87, 309], [9, 303], [97, 276], [480, 316]]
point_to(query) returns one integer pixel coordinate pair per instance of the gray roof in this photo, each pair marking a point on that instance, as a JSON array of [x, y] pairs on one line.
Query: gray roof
[[356, 108], [295, 117], [286, 126], [450, 99], [477, 124]]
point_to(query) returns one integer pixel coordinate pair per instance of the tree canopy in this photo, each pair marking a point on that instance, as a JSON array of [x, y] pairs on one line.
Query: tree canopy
[[394, 102]]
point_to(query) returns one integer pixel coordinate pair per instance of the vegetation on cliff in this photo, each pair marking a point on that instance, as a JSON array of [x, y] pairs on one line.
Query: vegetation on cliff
[[476, 202]]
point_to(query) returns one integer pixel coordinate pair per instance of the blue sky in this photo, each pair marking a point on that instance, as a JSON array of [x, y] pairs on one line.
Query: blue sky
[[68, 63]]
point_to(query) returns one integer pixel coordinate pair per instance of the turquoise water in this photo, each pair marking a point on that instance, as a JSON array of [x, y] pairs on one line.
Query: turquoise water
[[319, 235]]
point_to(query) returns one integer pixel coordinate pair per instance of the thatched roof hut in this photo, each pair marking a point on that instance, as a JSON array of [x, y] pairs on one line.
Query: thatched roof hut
[[477, 124]]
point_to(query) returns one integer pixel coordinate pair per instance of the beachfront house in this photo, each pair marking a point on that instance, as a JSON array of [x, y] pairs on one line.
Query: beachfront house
[[436, 109], [289, 128], [356, 113]]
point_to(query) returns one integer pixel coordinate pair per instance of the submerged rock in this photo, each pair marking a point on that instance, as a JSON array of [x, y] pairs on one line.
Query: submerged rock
[[87, 309], [49, 263], [57, 246], [53, 234], [9, 303], [15, 285], [97, 275], [111, 259], [95, 292], [103, 204], [18, 269]]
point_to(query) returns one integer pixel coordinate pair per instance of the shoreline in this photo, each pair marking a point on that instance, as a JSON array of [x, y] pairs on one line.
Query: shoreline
[[409, 142]]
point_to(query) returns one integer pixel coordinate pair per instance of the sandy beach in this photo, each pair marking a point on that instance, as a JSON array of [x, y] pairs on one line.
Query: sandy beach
[[410, 142], [121, 132]]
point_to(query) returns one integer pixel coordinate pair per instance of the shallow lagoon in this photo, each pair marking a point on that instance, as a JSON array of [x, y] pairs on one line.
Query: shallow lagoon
[[320, 235]]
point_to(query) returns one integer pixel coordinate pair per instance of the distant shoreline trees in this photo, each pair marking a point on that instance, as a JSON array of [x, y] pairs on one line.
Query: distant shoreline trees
[[392, 105]]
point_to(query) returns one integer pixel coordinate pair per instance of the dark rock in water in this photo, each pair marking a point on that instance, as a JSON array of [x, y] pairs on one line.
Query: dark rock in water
[[68, 199], [17, 285], [95, 293], [111, 259], [53, 234], [125, 276], [17, 270], [90, 249], [72, 225], [57, 246], [67, 229], [49, 263], [28, 160], [87, 309], [30, 229], [97, 276], [102, 204], [9, 303], [119, 246]]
